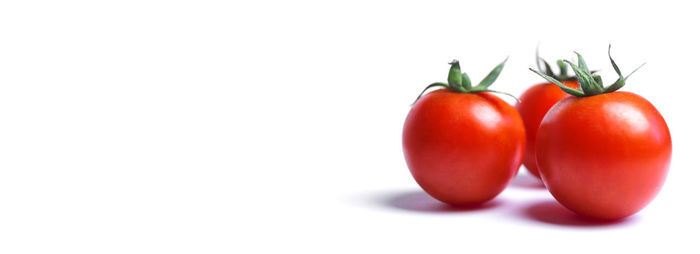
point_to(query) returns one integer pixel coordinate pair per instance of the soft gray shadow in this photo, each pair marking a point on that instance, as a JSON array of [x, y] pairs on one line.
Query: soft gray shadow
[[551, 212], [419, 201], [527, 181]]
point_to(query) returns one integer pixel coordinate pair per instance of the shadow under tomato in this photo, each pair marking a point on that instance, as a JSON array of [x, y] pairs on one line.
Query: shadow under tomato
[[527, 181], [419, 201], [551, 212]]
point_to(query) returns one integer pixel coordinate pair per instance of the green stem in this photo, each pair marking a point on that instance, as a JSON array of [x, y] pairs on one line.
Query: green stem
[[590, 84], [459, 82]]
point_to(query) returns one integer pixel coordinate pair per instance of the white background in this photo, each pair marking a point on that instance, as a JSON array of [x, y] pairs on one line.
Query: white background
[[275, 126]]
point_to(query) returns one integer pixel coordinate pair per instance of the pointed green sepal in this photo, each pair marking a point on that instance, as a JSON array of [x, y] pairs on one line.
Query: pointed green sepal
[[494, 91], [615, 86], [547, 70], [588, 85], [617, 69], [563, 70], [635, 70], [581, 63], [540, 61], [621, 80], [493, 75], [566, 89], [466, 82], [428, 87]]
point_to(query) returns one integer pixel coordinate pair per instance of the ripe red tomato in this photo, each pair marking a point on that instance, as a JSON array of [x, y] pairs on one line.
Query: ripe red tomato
[[604, 156], [463, 148], [534, 104]]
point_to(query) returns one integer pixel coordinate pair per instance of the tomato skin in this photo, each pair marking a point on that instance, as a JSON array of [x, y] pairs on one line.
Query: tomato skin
[[604, 156], [534, 104], [463, 148]]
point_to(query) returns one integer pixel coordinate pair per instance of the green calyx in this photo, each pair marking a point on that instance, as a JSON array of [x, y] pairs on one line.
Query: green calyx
[[545, 68], [590, 84], [459, 81]]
